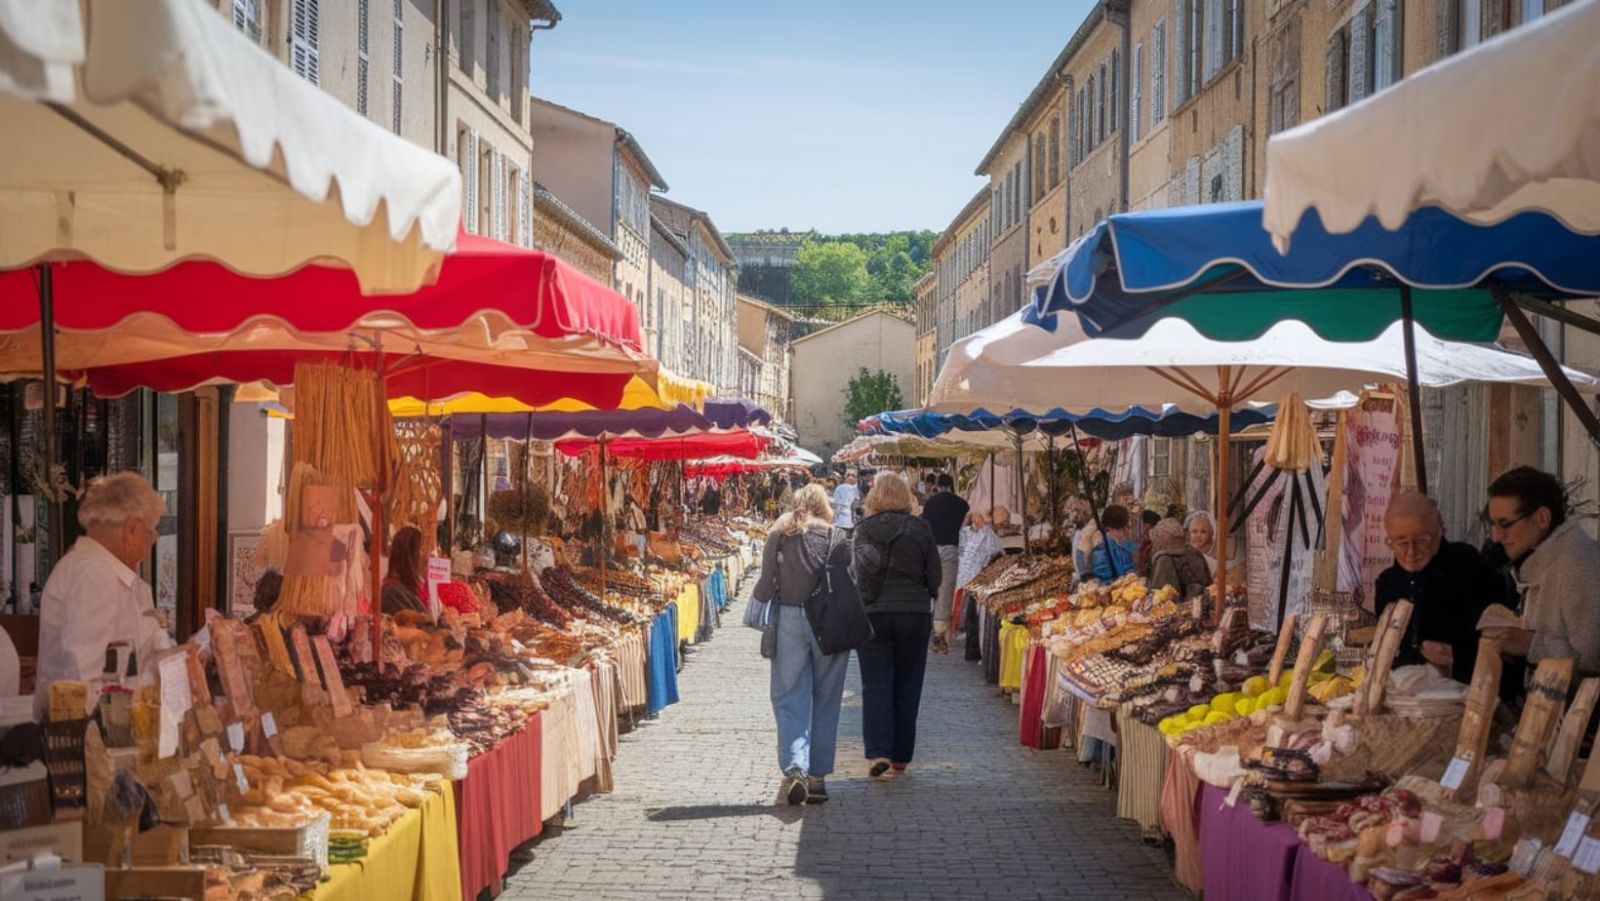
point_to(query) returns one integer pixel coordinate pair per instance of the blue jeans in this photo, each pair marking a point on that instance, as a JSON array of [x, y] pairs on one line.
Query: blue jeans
[[807, 689], [892, 664]]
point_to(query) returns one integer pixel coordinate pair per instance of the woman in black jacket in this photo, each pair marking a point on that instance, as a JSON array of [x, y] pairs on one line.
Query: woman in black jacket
[[897, 571]]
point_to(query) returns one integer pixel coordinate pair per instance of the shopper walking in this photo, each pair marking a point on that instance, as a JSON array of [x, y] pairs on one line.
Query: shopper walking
[[807, 685], [945, 512], [898, 573], [845, 498]]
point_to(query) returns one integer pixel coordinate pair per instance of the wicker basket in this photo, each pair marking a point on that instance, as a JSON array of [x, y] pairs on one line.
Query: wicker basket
[[25, 797]]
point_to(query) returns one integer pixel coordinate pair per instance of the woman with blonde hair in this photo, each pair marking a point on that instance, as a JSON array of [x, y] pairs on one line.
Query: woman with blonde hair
[[898, 572], [807, 685]]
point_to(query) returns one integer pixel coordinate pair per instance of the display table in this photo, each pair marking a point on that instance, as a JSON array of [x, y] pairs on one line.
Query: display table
[[1317, 880], [417, 858], [498, 806], [1244, 858], [1143, 770]]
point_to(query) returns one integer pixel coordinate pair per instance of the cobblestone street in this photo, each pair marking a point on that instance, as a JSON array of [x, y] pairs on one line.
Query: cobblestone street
[[978, 816]]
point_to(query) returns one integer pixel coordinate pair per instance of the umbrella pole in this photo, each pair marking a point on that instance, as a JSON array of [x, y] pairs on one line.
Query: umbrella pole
[[605, 514], [1547, 361], [54, 516], [375, 500], [1022, 491], [1413, 389], [1224, 430], [991, 488], [1055, 501]]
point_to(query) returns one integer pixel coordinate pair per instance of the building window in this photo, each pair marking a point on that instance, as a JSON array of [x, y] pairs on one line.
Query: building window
[[399, 62], [247, 18], [1283, 97], [1038, 167], [1136, 99], [469, 36], [1160, 458], [486, 192], [363, 59], [1055, 151], [1333, 73], [303, 29], [519, 73], [1386, 50], [1158, 72], [491, 53], [1100, 108]]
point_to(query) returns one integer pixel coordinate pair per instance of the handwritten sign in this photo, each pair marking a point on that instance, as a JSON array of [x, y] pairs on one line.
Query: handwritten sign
[[1455, 773], [331, 679], [438, 574], [176, 699]]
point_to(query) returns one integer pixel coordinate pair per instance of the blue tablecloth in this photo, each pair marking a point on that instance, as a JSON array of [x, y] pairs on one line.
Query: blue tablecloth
[[663, 661]]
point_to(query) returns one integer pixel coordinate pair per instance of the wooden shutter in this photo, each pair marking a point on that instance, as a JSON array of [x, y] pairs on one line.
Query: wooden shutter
[[1333, 74], [1137, 88], [1447, 28], [1211, 46], [1496, 18], [1386, 49], [470, 180], [525, 209], [1115, 112], [1180, 54], [303, 30], [1356, 70], [1072, 128], [1158, 73]]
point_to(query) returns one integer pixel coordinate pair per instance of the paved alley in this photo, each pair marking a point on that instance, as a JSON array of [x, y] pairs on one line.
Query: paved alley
[[978, 816]]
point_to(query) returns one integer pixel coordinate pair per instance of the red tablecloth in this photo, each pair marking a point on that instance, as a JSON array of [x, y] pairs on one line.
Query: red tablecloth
[[1317, 880], [497, 807], [1244, 857]]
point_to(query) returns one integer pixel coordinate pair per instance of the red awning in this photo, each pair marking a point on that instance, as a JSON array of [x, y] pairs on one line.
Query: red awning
[[509, 287], [501, 320], [738, 443]]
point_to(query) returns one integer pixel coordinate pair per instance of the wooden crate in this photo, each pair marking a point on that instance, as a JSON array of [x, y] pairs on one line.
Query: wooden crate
[[156, 882], [309, 841]]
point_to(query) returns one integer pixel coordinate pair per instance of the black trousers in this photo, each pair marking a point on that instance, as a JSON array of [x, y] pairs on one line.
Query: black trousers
[[892, 666], [969, 616]]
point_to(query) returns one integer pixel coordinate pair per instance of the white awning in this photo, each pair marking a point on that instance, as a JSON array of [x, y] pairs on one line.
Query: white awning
[[1508, 126], [183, 139]]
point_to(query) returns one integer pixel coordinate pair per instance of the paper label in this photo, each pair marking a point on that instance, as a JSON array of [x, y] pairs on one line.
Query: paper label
[[1395, 834], [331, 679], [86, 882], [438, 574], [269, 726], [1577, 824], [175, 702], [1455, 773], [1587, 858], [1494, 822], [238, 775], [1432, 823], [236, 736], [224, 814]]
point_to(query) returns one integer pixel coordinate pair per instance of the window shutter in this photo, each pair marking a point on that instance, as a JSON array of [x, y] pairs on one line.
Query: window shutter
[[303, 39], [1333, 75], [1386, 52], [1115, 113], [1138, 89], [470, 179], [1446, 28], [1495, 19], [1356, 70], [469, 37], [1158, 73], [313, 29], [1180, 53], [1211, 52]]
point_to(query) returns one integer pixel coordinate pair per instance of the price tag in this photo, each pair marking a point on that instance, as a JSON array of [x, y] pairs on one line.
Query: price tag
[[1233, 793], [239, 777], [1588, 857], [1494, 823], [1577, 824], [1455, 773], [224, 814], [236, 736], [269, 726]]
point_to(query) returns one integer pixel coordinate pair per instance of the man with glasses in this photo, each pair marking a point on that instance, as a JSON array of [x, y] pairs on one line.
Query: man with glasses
[[1448, 583], [1557, 566]]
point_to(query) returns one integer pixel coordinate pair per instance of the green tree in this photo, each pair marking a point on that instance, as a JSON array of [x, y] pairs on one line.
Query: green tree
[[829, 272], [870, 393], [892, 269]]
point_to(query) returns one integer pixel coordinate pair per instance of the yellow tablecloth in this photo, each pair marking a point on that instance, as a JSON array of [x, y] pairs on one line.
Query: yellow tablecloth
[[688, 602], [417, 858], [1013, 652]]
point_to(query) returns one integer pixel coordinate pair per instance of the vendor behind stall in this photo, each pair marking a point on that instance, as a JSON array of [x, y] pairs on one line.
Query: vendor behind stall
[[1174, 561], [1448, 583], [1557, 566], [94, 595], [405, 585]]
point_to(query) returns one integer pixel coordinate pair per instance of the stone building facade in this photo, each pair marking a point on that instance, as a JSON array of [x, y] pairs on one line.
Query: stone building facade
[[876, 340], [708, 345], [765, 334], [926, 293], [558, 229]]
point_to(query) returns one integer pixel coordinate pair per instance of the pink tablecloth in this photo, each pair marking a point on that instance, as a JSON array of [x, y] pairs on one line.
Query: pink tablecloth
[[497, 807], [1317, 880], [1244, 858]]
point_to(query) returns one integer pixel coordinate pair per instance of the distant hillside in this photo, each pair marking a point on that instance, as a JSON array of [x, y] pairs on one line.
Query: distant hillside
[[831, 276]]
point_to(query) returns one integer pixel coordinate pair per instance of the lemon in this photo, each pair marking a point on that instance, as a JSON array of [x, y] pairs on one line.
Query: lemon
[[1223, 703], [1198, 712], [1215, 717], [1244, 706], [1254, 685]]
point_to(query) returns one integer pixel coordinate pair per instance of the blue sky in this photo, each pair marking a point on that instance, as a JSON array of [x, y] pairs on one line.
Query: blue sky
[[841, 116]]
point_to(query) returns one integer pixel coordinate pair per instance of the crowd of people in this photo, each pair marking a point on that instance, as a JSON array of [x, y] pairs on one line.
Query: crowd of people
[[911, 544]]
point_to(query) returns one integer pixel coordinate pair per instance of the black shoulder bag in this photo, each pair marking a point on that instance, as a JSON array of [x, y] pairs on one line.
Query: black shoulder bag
[[834, 609]]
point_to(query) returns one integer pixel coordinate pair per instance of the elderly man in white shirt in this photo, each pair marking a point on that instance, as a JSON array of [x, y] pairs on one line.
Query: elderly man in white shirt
[[94, 595], [844, 501]]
